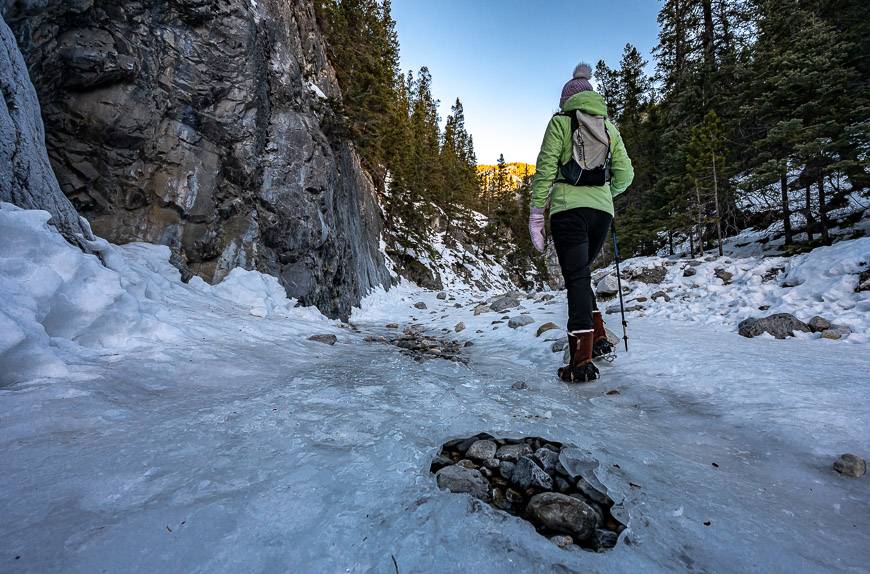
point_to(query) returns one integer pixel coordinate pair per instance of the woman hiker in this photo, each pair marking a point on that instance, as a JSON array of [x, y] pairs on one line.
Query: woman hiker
[[581, 167]]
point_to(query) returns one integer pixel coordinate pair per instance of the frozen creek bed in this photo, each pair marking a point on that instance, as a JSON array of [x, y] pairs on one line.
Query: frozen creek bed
[[240, 446]]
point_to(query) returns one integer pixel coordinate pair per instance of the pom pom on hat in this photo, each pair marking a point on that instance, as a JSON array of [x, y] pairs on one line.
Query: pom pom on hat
[[583, 71]]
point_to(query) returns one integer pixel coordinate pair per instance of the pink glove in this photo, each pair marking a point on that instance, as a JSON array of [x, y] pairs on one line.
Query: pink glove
[[536, 228]]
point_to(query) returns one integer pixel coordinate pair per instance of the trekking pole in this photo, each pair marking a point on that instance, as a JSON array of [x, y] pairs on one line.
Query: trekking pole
[[619, 284]]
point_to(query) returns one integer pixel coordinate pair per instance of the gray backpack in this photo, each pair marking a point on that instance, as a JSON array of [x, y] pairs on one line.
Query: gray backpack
[[590, 155]]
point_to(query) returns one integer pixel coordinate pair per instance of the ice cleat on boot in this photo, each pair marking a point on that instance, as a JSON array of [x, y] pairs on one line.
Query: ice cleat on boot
[[602, 348], [580, 369]]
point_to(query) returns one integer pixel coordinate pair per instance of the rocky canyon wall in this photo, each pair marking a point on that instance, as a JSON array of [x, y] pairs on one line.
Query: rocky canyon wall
[[203, 125]]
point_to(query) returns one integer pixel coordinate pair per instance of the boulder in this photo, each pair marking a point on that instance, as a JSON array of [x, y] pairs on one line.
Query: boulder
[[604, 539], [819, 324], [527, 474], [459, 479], [481, 450], [503, 303], [506, 469], [520, 321], [593, 492], [689, 272], [327, 339], [481, 309], [607, 286], [549, 326], [442, 296], [780, 325], [851, 465], [512, 452], [420, 305], [561, 513], [459, 327]]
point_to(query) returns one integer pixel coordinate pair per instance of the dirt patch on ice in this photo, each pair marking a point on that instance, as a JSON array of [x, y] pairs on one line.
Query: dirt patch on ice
[[416, 343], [551, 485]]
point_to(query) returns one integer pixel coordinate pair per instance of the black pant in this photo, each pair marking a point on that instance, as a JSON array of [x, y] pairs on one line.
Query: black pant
[[578, 235]]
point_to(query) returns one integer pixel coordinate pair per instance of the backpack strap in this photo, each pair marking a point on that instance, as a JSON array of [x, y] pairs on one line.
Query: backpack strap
[[575, 125]]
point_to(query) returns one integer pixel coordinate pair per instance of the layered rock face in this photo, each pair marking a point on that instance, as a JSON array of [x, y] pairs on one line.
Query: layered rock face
[[202, 125], [26, 178]]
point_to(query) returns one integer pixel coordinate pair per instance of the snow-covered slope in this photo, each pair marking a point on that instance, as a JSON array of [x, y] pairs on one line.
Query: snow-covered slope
[[188, 428]]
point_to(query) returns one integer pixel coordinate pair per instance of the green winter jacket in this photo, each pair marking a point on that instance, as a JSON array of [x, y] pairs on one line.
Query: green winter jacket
[[556, 149]]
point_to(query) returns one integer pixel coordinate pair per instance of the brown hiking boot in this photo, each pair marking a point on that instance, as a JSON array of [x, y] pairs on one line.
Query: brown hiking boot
[[601, 346], [580, 369]]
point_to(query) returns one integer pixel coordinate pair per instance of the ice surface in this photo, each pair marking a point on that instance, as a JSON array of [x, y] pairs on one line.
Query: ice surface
[[198, 436]]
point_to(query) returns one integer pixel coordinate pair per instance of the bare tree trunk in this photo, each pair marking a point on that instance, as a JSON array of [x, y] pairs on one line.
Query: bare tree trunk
[[707, 37], [670, 241], [809, 212], [786, 213], [700, 222], [718, 212], [823, 211]]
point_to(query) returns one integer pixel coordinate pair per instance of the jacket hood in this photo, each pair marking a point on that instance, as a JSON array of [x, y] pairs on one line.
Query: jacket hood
[[591, 103]]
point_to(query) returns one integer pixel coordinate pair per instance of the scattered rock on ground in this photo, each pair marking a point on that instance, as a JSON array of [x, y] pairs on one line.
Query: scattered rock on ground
[[459, 327], [481, 309], [851, 465], [420, 305], [629, 307], [863, 282], [326, 339], [512, 452], [392, 325], [649, 275], [520, 321], [689, 272], [562, 540], [780, 325], [559, 345], [519, 386], [442, 296], [546, 327]]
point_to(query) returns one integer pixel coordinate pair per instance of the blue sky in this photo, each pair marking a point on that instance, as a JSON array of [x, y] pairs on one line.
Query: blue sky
[[508, 59]]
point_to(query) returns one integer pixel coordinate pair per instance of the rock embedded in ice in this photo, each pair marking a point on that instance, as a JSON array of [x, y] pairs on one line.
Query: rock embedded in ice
[[562, 513], [780, 325], [547, 459], [660, 295], [591, 492], [628, 308], [327, 339], [689, 272], [491, 463], [392, 325], [520, 321], [420, 305], [512, 452], [441, 296], [561, 484], [605, 539], [863, 282], [519, 386], [527, 474], [725, 276], [459, 327], [459, 479], [562, 540], [481, 309], [559, 345], [819, 324], [546, 327], [482, 450], [851, 465], [440, 462], [465, 463]]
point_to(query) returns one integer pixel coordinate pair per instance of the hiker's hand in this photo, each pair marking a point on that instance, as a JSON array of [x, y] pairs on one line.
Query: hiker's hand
[[536, 228]]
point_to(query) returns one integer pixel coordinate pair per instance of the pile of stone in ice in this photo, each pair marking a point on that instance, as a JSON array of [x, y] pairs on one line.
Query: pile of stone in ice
[[415, 343], [526, 477]]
